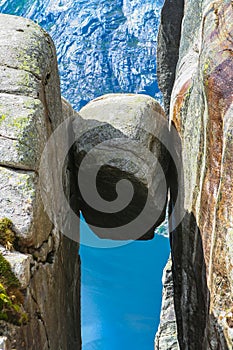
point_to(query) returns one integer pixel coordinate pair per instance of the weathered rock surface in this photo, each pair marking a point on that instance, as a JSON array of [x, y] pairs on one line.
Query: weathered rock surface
[[21, 203], [169, 37], [20, 264], [166, 337], [48, 263], [29, 101], [120, 136], [201, 110], [4, 343]]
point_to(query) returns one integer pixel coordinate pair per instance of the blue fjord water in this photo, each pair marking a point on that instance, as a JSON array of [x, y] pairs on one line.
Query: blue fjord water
[[121, 293], [108, 46]]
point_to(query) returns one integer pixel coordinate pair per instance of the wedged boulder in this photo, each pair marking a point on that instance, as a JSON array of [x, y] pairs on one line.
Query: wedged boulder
[[121, 137]]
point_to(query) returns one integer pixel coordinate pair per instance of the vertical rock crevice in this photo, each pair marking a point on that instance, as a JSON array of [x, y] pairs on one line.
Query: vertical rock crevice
[[168, 47]]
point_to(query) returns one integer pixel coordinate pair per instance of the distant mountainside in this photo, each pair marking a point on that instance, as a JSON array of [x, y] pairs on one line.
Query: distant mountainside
[[102, 46]]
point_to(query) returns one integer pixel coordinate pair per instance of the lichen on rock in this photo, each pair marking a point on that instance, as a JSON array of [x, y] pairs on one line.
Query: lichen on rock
[[45, 262]]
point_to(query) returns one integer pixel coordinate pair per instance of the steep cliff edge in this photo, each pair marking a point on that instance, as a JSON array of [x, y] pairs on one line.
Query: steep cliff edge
[[45, 262], [201, 110]]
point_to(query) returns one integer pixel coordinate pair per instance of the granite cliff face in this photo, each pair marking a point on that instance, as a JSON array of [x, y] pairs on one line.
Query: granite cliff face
[[46, 263], [201, 110]]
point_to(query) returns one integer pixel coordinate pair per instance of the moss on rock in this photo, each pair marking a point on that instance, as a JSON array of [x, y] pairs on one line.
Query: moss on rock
[[7, 277], [2, 118], [11, 297], [7, 235]]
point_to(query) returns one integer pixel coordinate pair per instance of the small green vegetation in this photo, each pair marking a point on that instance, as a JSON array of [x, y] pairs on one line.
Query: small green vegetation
[[206, 67], [188, 93], [2, 118], [11, 298], [7, 277], [7, 235], [20, 122], [29, 63]]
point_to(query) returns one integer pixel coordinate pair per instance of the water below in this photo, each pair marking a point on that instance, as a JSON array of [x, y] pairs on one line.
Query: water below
[[121, 292], [109, 46]]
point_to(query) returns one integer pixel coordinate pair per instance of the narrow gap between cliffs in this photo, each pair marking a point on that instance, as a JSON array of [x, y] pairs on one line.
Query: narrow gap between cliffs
[[121, 290]]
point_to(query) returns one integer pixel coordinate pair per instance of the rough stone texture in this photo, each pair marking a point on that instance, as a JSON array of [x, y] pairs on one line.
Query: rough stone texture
[[121, 132], [4, 343], [166, 337], [169, 37], [21, 120], [20, 264], [21, 203], [48, 264], [201, 110], [29, 101]]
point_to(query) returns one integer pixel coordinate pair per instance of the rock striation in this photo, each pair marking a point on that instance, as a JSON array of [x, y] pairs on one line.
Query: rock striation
[[201, 110], [45, 262], [120, 138], [166, 337]]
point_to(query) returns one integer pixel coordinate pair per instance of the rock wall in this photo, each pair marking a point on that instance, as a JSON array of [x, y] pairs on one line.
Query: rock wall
[[169, 37], [201, 110], [45, 262], [166, 337]]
